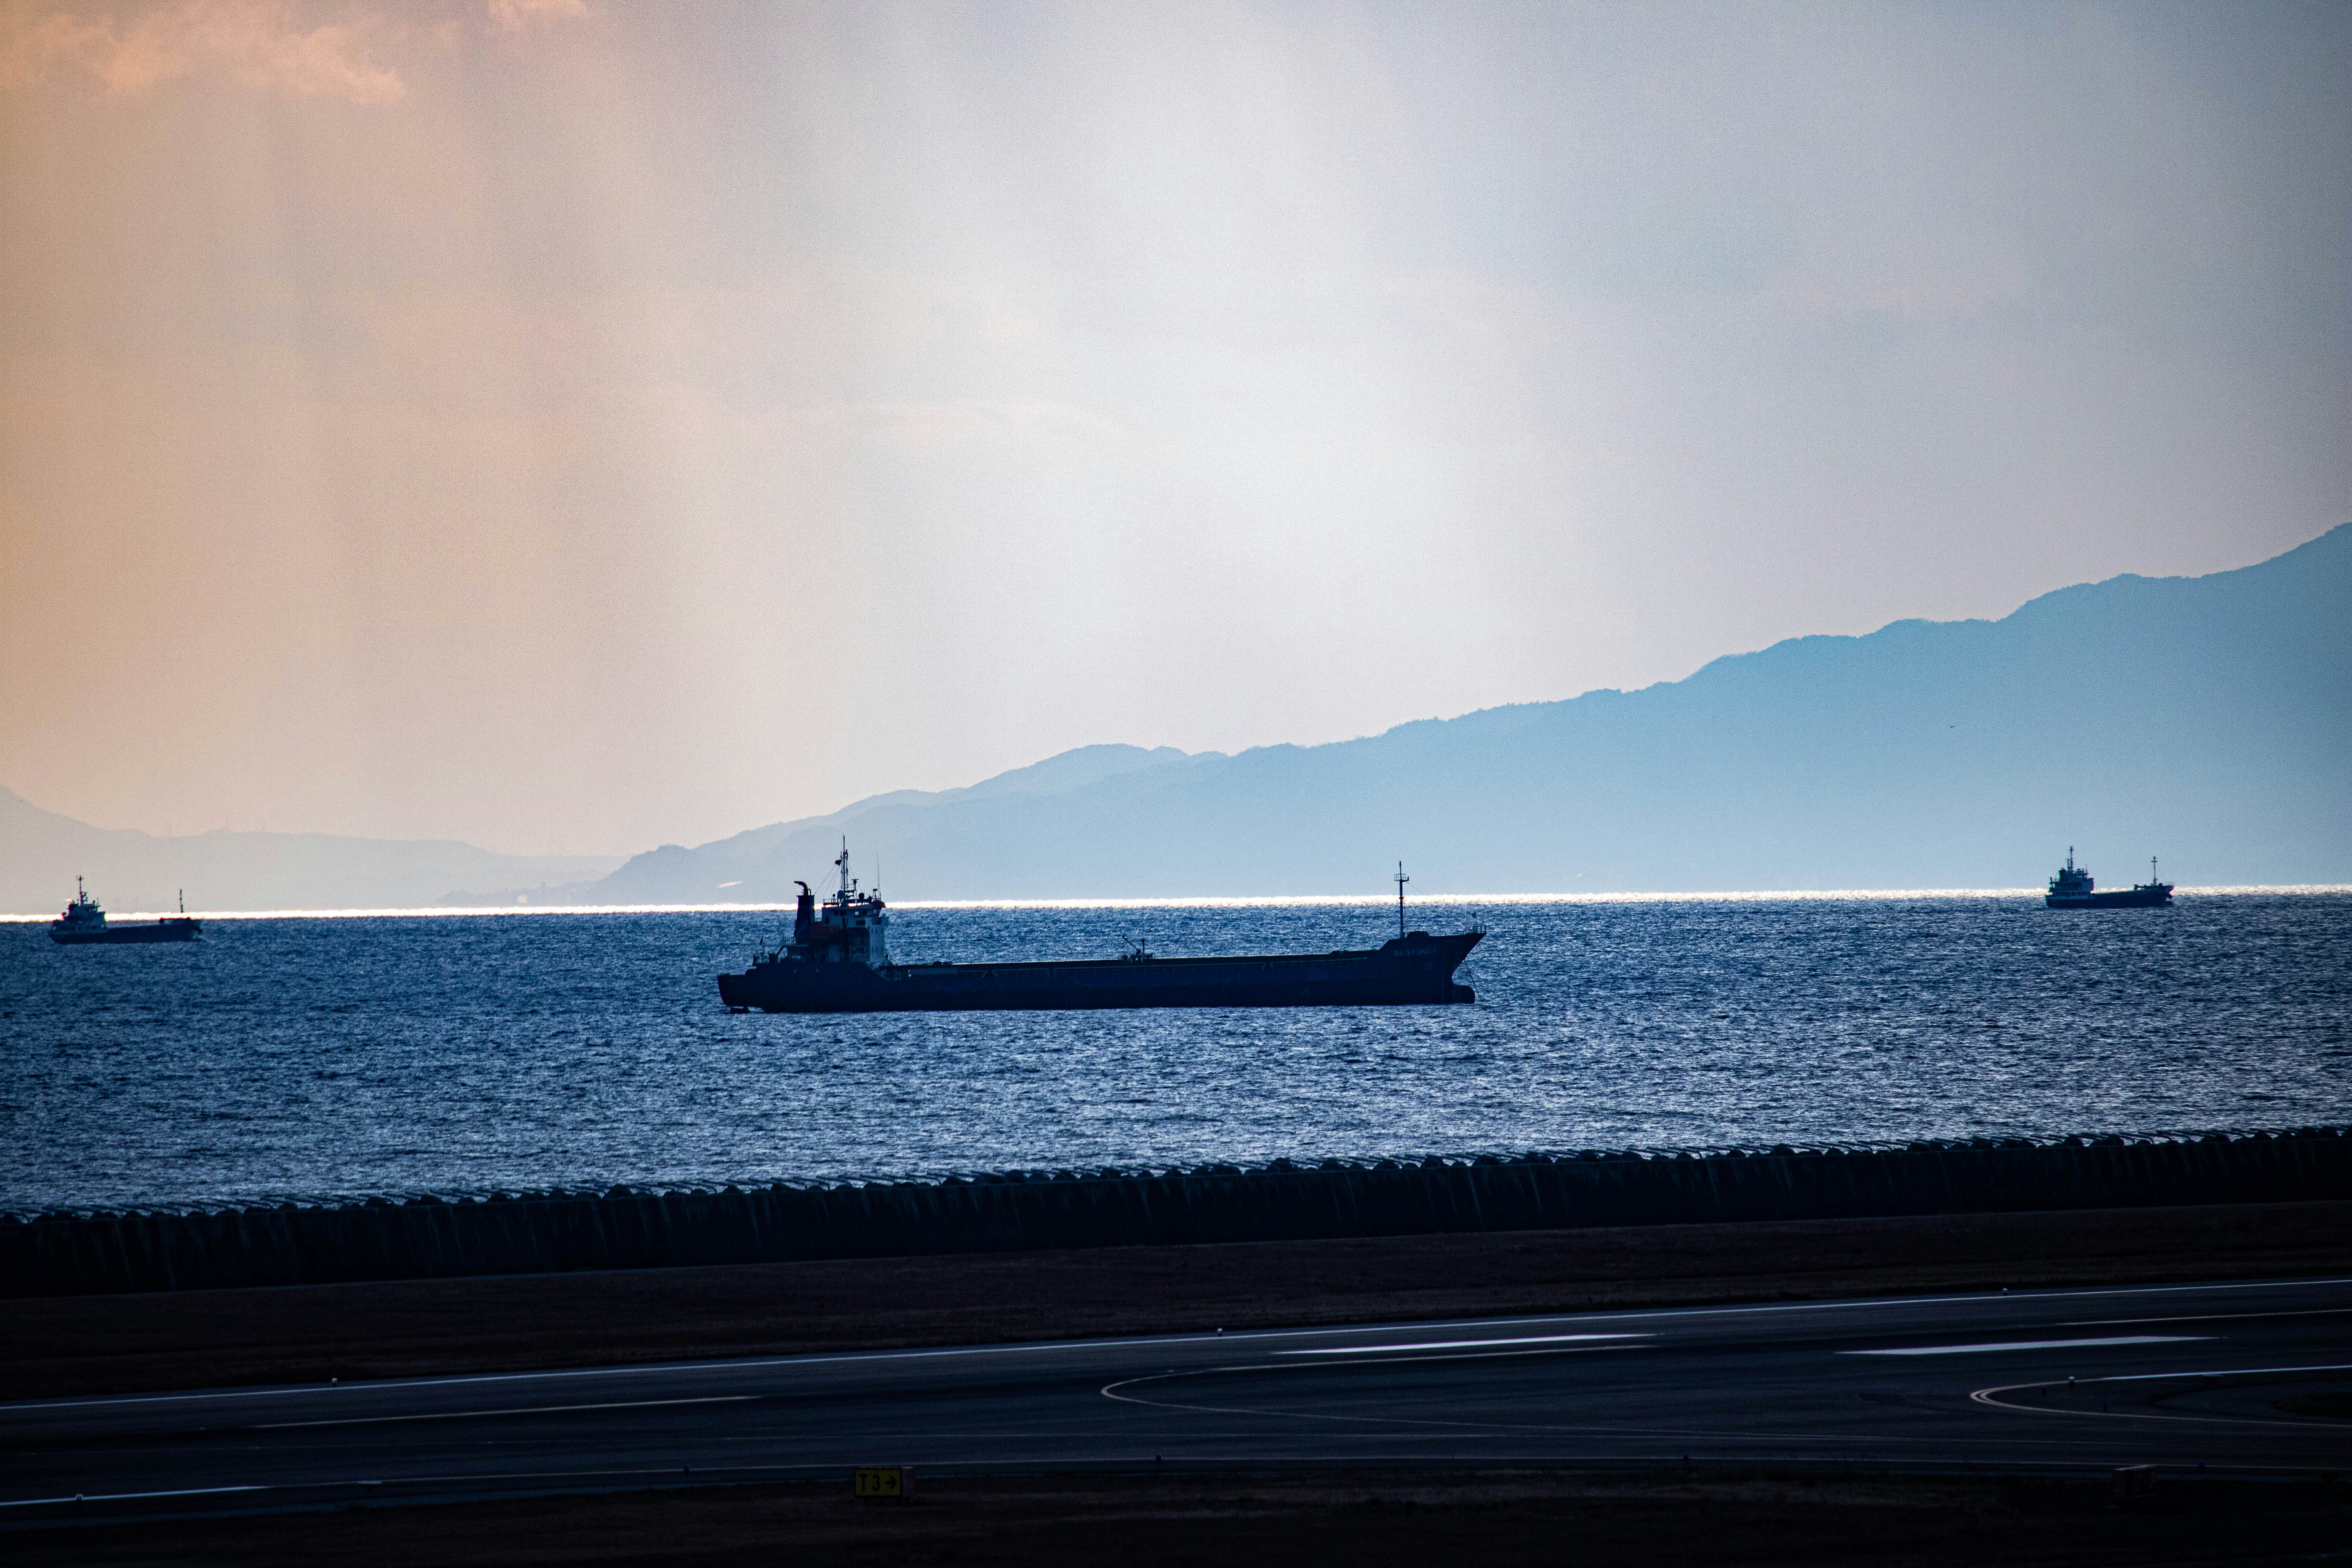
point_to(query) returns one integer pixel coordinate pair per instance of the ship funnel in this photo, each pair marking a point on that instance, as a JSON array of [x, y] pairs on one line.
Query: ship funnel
[[803, 912]]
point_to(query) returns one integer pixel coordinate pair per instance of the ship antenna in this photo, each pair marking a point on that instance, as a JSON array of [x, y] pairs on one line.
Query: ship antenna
[[1401, 880]]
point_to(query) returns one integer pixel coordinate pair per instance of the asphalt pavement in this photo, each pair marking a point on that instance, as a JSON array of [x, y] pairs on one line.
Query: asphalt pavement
[[2252, 1377]]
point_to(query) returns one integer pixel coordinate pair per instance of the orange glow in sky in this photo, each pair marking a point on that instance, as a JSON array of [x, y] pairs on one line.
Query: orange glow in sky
[[571, 423]]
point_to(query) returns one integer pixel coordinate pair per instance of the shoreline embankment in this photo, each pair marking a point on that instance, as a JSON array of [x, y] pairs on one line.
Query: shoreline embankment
[[1043, 1212]]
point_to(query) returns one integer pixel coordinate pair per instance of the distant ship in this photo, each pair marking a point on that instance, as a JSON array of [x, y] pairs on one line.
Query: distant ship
[[2071, 889], [84, 921], [838, 961]]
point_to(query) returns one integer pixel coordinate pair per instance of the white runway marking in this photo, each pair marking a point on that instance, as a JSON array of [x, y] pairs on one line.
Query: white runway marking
[[1459, 1344], [2036, 1345], [128, 1497], [1243, 1337], [2207, 1318], [2221, 1372], [471, 1414]]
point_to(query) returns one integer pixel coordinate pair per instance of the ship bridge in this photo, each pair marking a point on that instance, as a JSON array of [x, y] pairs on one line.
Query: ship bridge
[[852, 928]]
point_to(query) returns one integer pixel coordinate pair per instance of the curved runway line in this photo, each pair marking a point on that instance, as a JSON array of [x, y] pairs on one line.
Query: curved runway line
[[1986, 1396]]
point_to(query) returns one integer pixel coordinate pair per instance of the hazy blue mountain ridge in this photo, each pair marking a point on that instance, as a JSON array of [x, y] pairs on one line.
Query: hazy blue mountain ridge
[[41, 853], [674, 874], [2205, 719]]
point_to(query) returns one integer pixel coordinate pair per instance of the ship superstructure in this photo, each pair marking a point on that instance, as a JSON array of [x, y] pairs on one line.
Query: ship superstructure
[[837, 961], [852, 926]]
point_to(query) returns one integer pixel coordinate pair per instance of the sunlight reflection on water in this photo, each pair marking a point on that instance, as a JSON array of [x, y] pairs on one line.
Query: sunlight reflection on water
[[311, 1057]]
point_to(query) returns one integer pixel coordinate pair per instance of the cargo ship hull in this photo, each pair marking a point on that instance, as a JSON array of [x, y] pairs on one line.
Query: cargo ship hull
[[2136, 899], [168, 930], [1416, 968]]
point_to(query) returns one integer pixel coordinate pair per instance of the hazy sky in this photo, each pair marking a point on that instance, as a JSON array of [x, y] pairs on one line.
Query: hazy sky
[[583, 426]]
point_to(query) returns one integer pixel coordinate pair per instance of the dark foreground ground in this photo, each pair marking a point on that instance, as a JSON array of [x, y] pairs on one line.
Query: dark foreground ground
[[100, 1344], [1224, 1518], [1357, 1518]]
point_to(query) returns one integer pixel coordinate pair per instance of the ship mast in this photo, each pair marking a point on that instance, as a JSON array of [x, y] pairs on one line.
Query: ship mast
[[1401, 880]]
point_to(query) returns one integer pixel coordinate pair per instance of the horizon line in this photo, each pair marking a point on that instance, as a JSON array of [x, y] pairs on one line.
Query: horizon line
[[1268, 900]]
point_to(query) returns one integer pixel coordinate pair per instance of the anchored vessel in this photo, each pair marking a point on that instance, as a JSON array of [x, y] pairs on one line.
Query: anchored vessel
[[2071, 889], [84, 921], [837, 962]]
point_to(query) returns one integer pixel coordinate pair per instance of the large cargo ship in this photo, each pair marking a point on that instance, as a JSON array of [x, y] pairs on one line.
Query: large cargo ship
[[838, 961], [85, 922], [2071, 889]]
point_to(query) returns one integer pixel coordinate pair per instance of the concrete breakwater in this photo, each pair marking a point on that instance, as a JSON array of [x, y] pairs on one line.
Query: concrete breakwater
[[427, 1237]]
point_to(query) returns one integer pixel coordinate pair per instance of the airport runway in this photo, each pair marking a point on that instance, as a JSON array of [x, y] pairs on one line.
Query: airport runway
[[2240, 1377]]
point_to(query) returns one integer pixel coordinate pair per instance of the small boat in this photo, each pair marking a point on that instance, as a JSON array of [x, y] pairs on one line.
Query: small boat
[[84, 921], [2071, 889]]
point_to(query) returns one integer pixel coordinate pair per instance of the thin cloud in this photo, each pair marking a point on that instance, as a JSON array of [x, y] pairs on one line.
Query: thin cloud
[[520, 15], [258, 43]]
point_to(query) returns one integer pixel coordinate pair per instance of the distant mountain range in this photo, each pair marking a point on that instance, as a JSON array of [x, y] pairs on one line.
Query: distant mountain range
[[2205, 719], [42, 852]]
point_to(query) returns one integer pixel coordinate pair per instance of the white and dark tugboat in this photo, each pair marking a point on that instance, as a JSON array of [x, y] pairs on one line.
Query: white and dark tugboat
[[85, 922], [2071, 889]]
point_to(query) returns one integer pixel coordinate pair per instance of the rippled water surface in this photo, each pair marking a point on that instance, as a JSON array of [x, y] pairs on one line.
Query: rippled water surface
[[314, 1059]]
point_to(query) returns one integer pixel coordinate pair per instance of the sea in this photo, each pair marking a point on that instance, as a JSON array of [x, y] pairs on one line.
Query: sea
[[318, 1059]]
